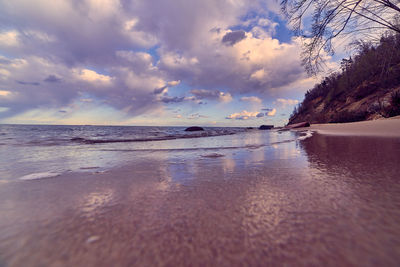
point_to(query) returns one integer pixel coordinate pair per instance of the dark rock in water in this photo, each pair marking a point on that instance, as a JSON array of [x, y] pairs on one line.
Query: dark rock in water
[[266, 127], [213, 155], [77, 139], [298, 125], [249, 128], [194, 129]]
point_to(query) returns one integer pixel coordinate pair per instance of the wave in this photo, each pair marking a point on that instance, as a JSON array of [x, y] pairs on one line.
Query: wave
[[149, 139], [308, 134], [39, 175], [185, 149]]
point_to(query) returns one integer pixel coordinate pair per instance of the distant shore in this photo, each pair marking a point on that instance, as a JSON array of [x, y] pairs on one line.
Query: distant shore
[[389, 127]]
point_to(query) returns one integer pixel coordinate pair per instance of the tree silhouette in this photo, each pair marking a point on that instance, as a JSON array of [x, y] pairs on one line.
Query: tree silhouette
[[331, 19]]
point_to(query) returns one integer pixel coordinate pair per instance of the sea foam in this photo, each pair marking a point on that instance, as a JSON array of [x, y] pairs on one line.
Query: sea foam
[[39, 175], [307, 135]]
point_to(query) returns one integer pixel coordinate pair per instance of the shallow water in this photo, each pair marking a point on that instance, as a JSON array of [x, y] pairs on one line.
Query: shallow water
[[322, 201], [36, 150]]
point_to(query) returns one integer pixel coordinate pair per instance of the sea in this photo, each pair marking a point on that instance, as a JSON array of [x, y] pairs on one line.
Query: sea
[[42, 151]]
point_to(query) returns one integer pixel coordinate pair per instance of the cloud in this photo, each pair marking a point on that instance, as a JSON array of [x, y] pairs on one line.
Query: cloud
[[123, 89], [92, 76], [266, 109], [212, 95], [196, 116], [253, 65], [52, 79], [86, 100], [9, 38], [244, 115], [286, 102], [4, 93], [28, 83], [231, 38], [164, 89], [160, 90], [118, 54], [172, 99], [253, 99], [173, 83], [260, 115], [271, 113]]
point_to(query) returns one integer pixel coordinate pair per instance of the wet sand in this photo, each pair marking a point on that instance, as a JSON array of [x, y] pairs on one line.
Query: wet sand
[[323, 201]]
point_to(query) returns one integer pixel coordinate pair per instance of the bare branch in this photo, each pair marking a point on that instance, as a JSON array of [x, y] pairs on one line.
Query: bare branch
[[334, 18]]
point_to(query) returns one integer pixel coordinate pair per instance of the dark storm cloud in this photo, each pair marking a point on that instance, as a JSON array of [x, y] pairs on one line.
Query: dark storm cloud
[[234, 37], [260, 115]]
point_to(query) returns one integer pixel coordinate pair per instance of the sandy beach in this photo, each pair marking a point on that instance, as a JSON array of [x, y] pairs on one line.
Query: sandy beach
[[389, 127], [327, 200]]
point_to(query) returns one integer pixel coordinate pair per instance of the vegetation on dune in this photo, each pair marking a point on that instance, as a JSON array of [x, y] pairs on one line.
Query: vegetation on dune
[[367, 86]]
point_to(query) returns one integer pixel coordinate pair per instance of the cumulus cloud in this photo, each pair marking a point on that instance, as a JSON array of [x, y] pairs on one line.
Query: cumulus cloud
[[92, 76], [122, 89], [253, 65], [286, 102], [244, 115], [127, 54], [271, 113], [211, 94]]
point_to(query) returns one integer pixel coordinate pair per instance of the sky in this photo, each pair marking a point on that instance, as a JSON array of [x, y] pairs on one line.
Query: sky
[[148, 62]]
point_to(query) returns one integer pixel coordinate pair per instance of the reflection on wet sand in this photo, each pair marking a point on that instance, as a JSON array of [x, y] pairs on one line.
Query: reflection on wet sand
[[96, 200], [323, 201]]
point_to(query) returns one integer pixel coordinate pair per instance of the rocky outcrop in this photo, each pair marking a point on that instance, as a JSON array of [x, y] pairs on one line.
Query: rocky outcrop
[[194, 129], [298, 125], [367, 87], [266, 127], [350, 108]]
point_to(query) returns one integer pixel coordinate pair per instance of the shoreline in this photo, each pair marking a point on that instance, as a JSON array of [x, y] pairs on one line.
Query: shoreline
[[389, 127]]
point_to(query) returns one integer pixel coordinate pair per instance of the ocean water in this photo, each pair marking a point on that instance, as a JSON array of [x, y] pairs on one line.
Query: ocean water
[[36, 151]]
